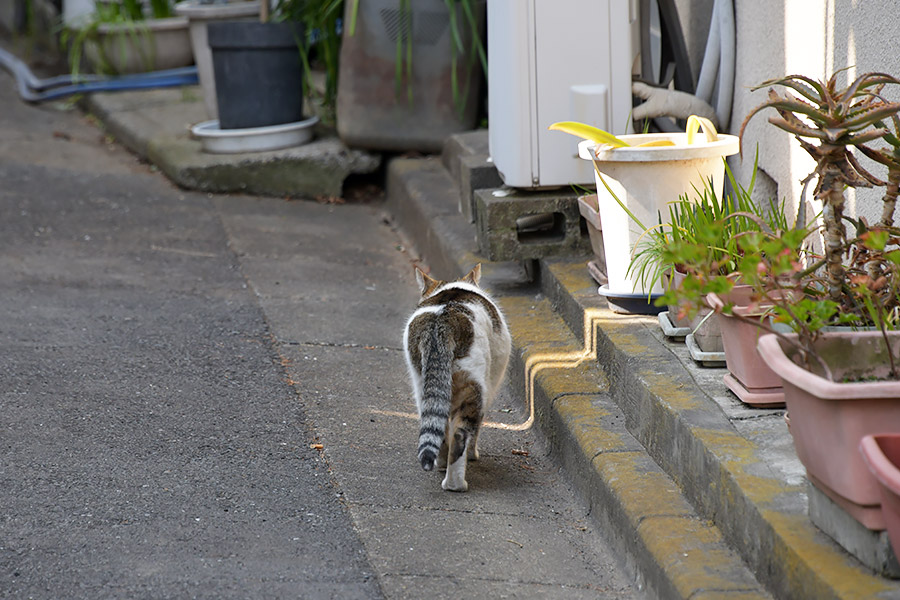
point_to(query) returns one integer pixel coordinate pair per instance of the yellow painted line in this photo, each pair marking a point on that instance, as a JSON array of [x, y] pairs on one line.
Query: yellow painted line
[[557, 360], [533, 366]]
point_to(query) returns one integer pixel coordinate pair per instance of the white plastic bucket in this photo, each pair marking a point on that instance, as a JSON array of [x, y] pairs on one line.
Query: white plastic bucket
[[646, 180]]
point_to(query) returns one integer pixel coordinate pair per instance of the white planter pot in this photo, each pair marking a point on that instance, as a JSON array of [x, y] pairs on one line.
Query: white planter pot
[[199, 16], [646, 180], [150, 45]]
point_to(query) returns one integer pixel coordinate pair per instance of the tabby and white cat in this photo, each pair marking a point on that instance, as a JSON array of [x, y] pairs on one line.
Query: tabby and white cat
[[457, 348]]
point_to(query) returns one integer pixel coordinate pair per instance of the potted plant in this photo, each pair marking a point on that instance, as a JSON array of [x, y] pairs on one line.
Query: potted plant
[[122, 36], [711, 258], [260, 69], [637, 175], [839, 386]]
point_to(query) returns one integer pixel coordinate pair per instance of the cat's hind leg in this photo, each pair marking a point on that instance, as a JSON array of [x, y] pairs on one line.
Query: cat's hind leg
[[465, 420], [442, 453], [455, 479], [472, 448]]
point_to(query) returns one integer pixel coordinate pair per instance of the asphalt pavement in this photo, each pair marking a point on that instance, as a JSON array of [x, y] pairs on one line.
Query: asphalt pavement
[[205, 396]]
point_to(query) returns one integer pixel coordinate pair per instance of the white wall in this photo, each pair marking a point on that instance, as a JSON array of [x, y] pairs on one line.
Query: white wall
[[813, 38]]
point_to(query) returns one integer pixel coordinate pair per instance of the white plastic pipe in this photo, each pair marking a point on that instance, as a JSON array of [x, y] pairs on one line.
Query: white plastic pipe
[[724, 11]]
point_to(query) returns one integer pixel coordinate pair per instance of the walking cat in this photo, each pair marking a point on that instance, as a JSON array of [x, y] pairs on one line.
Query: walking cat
[[457, 347]]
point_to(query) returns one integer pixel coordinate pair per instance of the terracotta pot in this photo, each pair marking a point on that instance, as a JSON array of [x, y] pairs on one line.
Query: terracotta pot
[[749, 377], [882, 455], [829, 419]]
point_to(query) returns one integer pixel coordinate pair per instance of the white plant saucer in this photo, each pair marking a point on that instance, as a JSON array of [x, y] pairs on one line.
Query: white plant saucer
[[253, 139]]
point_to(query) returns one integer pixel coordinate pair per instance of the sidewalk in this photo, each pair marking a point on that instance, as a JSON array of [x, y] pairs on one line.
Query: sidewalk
[[205, 396], [705, 496]]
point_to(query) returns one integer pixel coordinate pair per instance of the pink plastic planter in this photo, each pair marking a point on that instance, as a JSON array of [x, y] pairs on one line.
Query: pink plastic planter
[[829, 419], [749, 377], [882, 455]]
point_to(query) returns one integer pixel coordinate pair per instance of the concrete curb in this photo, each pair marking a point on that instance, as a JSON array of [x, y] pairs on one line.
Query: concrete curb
[[143, 122], [680, 415]]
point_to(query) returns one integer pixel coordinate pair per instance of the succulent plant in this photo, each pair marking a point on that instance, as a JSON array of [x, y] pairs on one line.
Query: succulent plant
[[828, 121]]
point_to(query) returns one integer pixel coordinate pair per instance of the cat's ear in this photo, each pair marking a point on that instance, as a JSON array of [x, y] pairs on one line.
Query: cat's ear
[[425, 282], [474, 275]]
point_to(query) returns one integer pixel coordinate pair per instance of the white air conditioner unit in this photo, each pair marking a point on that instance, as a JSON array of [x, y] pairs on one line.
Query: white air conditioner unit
[[556, 60]]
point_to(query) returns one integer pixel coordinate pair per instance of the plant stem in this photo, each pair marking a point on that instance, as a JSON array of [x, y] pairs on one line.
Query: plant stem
[[890, 197], [832, 195]]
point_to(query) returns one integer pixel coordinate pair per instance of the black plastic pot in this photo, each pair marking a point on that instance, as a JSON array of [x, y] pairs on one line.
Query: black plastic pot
[[258, 73]]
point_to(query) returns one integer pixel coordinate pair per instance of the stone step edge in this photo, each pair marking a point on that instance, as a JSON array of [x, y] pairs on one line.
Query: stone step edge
[[676, 553], [721, 477], [313, 170]]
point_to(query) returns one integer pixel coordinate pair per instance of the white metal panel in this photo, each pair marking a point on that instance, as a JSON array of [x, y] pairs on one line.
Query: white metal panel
[[546, 58], [511, 88], [570, 51]]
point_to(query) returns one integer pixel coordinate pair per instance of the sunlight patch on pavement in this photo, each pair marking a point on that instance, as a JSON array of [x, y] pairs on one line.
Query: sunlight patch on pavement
[[534, 365], [556, 360]]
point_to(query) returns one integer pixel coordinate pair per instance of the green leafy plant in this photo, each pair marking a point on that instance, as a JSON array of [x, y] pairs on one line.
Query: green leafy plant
[[707, 227], [789, 286], [320, 47], [857, 281]]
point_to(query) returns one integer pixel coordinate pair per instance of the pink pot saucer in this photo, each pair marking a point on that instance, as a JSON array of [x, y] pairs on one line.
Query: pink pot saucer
[[755, 397], [869, 515]]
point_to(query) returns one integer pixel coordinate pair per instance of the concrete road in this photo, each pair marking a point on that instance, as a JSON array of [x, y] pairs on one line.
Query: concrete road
[[205, 397]]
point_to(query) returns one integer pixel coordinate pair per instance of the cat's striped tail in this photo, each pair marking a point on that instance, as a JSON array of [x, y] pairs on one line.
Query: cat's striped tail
[[437, 378]]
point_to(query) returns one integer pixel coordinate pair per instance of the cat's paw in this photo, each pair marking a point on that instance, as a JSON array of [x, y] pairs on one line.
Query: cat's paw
[[472, 455], [455, 486]]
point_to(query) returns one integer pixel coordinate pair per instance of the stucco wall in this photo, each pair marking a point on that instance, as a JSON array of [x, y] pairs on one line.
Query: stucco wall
[[813, 38]]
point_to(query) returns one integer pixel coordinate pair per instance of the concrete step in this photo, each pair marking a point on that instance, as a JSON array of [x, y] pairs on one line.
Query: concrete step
[[735, 466], [676, 552], [142, 121]]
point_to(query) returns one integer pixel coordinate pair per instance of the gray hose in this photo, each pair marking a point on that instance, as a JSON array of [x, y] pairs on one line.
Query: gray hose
[[706, 81]]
